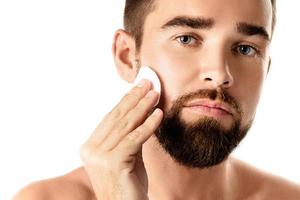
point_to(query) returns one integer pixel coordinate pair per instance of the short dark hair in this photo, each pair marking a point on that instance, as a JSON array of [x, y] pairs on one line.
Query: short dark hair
[[136, 11]]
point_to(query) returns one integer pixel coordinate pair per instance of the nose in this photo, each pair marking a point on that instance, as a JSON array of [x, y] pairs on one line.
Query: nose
[[215, 71], [218, 78]]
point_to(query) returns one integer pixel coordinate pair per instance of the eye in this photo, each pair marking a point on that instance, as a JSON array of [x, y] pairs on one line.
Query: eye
[[246, 50], [186, 40]]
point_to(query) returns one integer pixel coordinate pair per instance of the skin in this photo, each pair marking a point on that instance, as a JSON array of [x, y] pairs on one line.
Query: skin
[[211, 64]]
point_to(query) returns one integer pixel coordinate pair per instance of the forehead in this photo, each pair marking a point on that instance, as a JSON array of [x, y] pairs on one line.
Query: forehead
[[223, 12]]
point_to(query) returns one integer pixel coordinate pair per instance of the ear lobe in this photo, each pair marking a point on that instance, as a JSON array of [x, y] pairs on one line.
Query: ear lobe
[[124, 53]]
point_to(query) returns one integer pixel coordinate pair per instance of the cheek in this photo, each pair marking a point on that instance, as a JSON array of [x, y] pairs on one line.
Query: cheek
[[174, 70], [249, 84]]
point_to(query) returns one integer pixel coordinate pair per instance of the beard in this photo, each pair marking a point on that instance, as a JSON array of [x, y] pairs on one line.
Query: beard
[[205, 142]]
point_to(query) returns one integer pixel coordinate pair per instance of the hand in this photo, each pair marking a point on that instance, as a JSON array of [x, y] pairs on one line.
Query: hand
[[112, 156]]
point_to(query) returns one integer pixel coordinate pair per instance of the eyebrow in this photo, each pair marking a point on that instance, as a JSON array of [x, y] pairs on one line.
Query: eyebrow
[[195, 23], [251, 29], [207, 23]]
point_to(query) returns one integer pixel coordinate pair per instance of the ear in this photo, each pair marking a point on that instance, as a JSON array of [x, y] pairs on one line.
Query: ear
[[124, 52]]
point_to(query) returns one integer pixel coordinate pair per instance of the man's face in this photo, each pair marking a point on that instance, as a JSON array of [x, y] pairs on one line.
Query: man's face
[[213, 53]]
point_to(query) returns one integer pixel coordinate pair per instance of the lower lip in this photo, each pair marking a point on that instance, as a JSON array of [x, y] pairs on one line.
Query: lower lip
[[204, 110]]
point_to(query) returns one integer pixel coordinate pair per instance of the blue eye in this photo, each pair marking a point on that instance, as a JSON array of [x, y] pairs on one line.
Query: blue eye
[[186, 39], [246, 50]]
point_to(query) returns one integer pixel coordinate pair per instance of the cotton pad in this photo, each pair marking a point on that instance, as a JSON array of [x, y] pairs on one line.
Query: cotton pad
[[147, 73]]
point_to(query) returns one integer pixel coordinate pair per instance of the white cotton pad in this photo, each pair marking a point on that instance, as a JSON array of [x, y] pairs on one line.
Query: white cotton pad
[[147, 73]]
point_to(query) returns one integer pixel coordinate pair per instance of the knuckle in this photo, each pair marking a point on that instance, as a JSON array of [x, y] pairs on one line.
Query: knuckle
[[142, 105], [135, 90], [127, 96], [124, 124], [133, 135], [116, 113]]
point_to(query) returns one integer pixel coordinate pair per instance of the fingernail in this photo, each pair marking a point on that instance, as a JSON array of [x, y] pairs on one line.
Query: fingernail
[[141, 83], [156, 112]]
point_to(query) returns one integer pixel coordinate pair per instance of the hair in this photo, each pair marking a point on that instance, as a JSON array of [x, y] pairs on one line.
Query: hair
[[136, 11]]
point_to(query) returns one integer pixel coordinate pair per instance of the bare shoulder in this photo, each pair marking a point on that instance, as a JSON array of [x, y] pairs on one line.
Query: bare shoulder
[[267, 185], [74, 185]]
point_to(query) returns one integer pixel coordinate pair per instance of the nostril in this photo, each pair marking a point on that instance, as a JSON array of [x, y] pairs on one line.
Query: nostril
[[208, 79], [226, 82]]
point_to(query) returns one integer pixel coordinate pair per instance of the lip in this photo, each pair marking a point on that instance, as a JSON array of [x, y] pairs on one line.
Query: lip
[[223, 107]]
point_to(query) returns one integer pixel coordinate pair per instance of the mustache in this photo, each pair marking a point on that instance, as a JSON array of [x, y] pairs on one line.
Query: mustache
[[212, 94]]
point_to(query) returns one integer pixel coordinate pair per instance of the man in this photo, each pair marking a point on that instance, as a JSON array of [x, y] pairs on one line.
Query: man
[[212, 57]]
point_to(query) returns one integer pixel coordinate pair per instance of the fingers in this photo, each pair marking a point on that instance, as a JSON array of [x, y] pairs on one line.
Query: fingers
[[130, 121], [133, 141], [130, 99], [110, 120], [111, 151]]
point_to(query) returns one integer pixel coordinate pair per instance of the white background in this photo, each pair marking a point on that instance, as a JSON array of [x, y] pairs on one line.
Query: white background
[[57, 80]]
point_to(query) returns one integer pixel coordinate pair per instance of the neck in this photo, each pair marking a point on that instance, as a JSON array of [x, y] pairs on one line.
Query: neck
[[168, 180]]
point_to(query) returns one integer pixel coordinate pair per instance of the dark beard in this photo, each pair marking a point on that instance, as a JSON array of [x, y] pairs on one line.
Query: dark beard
[[204, 143]]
